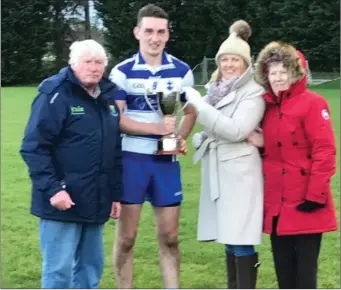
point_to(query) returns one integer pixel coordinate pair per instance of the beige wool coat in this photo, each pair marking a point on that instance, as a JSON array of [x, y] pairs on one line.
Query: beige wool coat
[[231, 198]]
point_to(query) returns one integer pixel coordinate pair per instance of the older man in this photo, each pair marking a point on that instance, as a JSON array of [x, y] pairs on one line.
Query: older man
[[72, 148]]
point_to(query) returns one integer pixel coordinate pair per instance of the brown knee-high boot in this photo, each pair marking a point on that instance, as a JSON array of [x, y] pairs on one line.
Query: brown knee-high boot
[[247, 270], [231, 271]]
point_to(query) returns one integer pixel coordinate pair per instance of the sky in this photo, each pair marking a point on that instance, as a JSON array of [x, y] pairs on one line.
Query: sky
[[93, 15]]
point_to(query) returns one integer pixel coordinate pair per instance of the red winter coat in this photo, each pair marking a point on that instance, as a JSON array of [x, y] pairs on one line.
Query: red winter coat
[[299, 161]]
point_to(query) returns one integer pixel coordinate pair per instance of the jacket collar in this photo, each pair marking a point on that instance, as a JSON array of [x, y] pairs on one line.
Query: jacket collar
[[66, 74], [140, 63], [241, 81], [165, 59], [105, 85], [244, 78]]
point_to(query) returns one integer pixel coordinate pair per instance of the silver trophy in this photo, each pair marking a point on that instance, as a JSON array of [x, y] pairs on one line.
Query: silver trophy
[[167, 103]]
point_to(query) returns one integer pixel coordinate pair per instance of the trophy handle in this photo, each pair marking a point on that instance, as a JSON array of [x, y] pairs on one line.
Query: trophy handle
[[149, 103], [185, 105]]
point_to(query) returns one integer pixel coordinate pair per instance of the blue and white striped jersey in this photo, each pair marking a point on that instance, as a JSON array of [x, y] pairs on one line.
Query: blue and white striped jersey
[[133, 77]]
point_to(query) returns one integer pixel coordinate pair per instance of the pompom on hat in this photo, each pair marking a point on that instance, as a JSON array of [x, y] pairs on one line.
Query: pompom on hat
[[236, 43]]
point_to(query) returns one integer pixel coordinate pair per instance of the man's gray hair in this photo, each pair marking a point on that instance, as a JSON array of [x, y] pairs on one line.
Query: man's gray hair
[[89, 47]]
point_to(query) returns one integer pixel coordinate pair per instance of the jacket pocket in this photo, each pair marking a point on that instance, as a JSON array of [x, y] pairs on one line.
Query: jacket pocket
[[228, 154], [47, 207], [84, 192]]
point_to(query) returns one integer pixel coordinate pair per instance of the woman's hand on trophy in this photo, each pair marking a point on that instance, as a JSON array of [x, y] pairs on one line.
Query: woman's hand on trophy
[[194, 98], [191, 94], [167, 125]]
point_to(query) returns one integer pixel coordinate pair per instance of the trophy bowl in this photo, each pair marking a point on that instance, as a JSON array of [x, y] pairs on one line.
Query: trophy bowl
[[168, 104]]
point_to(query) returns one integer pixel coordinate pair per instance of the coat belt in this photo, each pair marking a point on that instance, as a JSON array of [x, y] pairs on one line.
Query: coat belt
[[202, 149]]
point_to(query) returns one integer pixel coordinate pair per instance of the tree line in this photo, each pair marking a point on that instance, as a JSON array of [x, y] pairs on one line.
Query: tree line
[[36, 34]]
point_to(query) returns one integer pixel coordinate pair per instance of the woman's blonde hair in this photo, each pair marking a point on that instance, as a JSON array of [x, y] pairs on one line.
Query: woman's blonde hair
[[215, 76]]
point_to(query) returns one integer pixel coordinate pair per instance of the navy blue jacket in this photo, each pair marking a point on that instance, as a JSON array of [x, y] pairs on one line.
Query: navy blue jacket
[[72, 142]]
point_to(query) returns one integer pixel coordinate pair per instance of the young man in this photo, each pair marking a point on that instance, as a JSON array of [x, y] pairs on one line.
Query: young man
[[72, 148], [145, 175]]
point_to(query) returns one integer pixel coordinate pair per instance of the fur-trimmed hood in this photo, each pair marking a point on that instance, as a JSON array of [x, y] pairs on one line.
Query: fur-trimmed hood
[[275, 51]]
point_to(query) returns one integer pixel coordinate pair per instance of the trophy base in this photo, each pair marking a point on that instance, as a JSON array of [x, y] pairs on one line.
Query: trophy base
[[169, 145]]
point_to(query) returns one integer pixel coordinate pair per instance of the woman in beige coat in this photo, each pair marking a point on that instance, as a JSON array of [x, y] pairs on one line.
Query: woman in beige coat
[[231, 202]]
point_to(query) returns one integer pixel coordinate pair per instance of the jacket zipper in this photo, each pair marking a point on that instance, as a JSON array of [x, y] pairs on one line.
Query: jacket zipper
[[99, 111]]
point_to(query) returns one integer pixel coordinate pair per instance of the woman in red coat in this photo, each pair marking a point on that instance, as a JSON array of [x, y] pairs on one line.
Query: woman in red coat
[[299, 160]]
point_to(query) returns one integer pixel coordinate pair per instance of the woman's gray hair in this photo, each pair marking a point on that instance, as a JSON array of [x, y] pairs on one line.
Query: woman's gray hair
[[90, 47]]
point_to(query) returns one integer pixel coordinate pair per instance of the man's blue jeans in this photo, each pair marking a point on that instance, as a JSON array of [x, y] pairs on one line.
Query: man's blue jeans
[[72, 254], [240, 251]]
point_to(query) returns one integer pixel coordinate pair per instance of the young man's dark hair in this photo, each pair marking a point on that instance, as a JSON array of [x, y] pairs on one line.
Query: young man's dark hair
[[151, 10]]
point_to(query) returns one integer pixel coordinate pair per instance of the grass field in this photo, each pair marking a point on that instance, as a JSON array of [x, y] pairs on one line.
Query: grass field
[[202, 264]]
